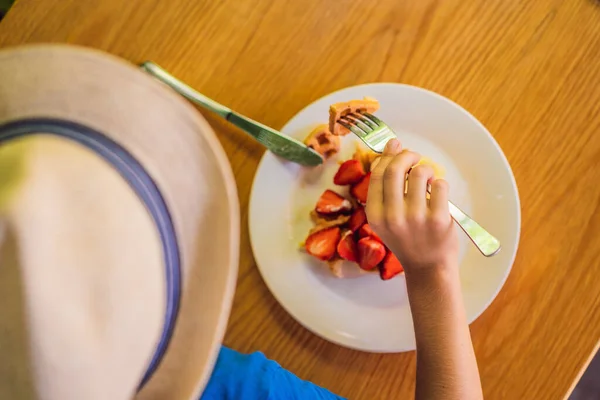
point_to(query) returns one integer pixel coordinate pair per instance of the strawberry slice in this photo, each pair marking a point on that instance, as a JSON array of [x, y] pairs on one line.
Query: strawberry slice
[[370, 253], [346, 248], [350, 172], [367, 231], [390, 267], [331, 203], [358, 219], [360, 190], [323, 244]]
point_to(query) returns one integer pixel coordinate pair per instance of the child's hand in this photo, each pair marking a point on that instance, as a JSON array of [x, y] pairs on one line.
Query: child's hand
[[419, 231]]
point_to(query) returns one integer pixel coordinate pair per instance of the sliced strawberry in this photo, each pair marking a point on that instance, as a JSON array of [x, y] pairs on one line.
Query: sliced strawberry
[[358, 219], [361, 189], [350, 172], [370, 253], [346, 248], [331, 203], [367, 231], [390, 267], [323, 244]]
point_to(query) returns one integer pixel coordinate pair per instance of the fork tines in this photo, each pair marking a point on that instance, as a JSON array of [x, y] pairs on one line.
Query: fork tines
[[366, 122]]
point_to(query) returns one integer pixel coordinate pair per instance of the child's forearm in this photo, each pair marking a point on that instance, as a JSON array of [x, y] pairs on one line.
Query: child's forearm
[[418, 228], [446, 365]]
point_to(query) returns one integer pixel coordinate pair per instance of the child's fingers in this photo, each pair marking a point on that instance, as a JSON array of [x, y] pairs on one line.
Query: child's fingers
[[416, 195], [392, 147], [438, 202], [394, 178], [374, 207]]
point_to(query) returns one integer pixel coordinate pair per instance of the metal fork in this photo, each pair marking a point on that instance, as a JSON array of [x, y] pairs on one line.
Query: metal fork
[[375, 133]]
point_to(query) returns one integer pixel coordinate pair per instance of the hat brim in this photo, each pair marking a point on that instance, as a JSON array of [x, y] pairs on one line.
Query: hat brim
[[182, 154]]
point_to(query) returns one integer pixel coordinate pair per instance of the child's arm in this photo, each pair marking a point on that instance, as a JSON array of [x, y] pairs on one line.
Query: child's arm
[[446, 365], [421, 234]]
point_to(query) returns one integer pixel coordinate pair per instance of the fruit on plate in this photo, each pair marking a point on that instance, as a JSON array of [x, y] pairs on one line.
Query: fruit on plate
[[366, 157], [438, 171], [323, 244], [331, 203], [366, 231], [360, 190], [338, 110], [323, 141], [324, 222], [346, 248], [370, 253], [350, 172], [390, 266], [357, 219], [341, 231]]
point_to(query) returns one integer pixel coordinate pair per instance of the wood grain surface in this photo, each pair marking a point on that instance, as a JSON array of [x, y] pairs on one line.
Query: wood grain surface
[[529, 70]]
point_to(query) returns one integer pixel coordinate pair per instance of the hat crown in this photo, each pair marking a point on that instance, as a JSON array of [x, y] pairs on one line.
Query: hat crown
[[80, 241], [76, 196]]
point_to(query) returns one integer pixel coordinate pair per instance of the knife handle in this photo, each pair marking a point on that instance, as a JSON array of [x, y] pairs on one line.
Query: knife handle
[[159, 73], [279, 144], [244, 123]]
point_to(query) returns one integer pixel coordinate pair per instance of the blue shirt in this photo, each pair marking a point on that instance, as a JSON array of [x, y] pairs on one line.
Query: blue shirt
[[239, 376]]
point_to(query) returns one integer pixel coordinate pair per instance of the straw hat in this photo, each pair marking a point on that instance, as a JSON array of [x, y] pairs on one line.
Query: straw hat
[[119, 232]]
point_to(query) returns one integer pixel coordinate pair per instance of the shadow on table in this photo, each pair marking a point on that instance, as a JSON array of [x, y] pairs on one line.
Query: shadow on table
[[4, 6], [588, 388]]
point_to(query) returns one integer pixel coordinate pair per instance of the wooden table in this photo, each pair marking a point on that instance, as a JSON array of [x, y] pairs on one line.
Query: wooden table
[[529, 70]]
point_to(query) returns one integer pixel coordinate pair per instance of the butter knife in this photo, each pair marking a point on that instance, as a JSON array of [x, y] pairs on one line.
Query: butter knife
[[278, 143]]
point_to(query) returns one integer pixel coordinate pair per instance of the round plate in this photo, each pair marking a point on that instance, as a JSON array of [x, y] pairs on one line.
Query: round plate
[[364, 312]]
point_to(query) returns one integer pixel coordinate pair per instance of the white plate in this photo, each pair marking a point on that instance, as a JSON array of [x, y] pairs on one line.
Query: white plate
[[366, 313]]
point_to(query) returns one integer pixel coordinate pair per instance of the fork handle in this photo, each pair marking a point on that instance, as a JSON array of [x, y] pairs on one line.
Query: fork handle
[[487, 244]]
